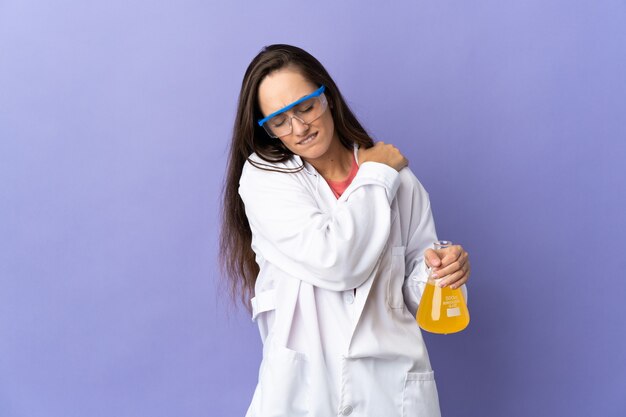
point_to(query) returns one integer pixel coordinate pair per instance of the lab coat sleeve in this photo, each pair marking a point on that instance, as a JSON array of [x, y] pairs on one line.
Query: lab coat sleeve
[[421, 236], [334, 250]]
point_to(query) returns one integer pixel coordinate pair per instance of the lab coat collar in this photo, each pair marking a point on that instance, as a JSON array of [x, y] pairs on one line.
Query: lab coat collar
[[308, 168]]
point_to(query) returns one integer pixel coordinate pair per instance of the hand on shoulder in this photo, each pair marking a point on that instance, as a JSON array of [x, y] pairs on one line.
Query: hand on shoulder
[[385, 153]]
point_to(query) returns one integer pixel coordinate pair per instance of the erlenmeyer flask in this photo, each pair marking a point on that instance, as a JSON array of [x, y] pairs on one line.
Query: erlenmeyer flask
[[442, 310]]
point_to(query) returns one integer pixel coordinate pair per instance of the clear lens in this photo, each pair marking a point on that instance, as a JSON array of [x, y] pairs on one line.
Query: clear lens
[[306, 112]]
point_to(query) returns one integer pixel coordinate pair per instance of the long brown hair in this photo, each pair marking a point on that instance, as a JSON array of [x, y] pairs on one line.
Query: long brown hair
[[237, 260]]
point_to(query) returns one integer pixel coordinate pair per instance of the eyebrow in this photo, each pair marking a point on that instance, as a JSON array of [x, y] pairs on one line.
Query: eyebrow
[[295, 103]]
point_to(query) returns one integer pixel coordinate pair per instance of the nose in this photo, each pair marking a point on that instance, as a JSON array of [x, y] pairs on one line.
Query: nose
[[298, 127]]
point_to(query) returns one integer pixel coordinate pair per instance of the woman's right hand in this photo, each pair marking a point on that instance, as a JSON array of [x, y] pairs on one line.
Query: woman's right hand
[[384, 153]]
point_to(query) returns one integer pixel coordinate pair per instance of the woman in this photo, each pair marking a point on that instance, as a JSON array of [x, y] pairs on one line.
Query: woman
[[327, 235]]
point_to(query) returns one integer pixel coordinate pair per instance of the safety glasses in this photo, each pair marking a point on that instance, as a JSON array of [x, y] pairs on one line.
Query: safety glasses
[[307, 109]]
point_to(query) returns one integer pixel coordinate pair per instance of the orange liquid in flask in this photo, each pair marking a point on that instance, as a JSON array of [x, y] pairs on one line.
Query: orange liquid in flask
[[442, 310]]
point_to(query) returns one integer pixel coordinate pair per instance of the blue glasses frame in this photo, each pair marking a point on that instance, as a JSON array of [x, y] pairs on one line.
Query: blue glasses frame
[[315, 93]]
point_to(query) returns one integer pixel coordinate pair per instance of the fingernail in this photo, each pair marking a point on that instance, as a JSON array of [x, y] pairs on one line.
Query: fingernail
[[435, 275]]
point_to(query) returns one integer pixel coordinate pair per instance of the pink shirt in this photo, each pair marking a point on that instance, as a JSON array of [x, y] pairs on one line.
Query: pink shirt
[[339, 187]]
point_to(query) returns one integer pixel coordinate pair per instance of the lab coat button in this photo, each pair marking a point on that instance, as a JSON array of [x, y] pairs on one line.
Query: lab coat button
[[347, 410], [349, 298]]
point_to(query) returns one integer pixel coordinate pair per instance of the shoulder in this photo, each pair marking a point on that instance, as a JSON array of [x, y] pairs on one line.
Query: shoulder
[[257, 166], [409, 182], [412, 195], [413, 201], [260, 177], [256, 161]]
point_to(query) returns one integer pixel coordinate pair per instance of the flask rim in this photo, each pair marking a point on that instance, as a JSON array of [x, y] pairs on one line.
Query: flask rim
[[441, 244]]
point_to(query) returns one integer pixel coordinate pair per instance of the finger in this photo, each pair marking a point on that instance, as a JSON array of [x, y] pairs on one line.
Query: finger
[[445, 256], [452, 269], [457, 277], [448, 269], [454, 278], [460, 282], [432, 258], [445, 270], [451, 254]]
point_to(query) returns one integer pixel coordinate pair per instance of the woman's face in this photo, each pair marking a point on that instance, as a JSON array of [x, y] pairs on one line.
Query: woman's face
[[281, 88]]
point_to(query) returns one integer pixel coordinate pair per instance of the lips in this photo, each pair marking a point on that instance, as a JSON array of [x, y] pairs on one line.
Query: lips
[[308, 139]]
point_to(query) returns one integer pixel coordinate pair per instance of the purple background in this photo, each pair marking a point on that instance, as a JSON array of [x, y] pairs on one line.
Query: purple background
[[115, 119]]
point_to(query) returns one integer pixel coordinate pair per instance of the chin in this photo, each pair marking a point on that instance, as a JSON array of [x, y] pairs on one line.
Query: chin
[[316, 149], [314, 152]]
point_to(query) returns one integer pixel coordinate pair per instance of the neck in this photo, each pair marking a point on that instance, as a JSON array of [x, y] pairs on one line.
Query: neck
[[335, 164]]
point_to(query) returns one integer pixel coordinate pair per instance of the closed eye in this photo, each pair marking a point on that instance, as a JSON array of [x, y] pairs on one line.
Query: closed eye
[[306, 107], [277, 121]]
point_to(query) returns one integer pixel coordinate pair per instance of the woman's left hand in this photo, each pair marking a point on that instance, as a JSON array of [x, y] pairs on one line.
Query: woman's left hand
[[451, 264]]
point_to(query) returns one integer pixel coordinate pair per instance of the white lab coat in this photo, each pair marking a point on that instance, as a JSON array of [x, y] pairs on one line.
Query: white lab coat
[[329, 350]]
